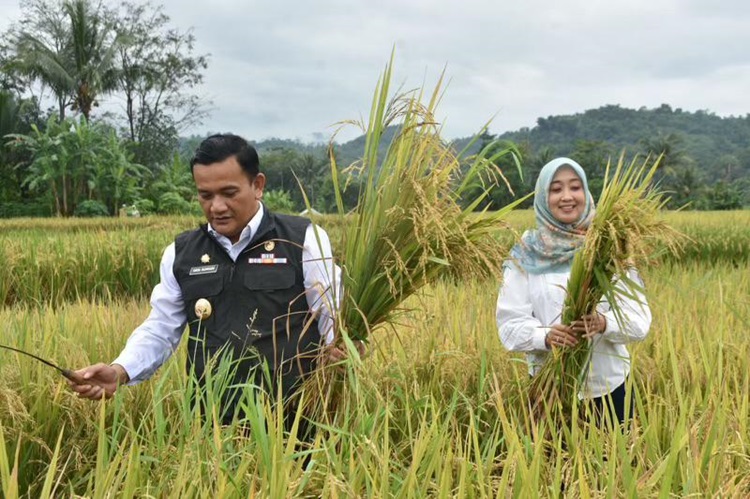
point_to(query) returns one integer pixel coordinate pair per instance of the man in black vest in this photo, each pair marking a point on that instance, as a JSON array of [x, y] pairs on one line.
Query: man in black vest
[[252, 284]]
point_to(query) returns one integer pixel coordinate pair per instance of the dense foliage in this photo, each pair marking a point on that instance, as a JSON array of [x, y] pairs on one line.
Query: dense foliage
[[79, 54], [706, 158]]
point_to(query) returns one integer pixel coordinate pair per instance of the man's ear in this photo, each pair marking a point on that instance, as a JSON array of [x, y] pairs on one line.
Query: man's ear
[[259, 182]]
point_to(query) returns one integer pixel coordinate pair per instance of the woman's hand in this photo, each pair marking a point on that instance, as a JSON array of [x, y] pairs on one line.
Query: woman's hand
[[561, 336], [589, 326]]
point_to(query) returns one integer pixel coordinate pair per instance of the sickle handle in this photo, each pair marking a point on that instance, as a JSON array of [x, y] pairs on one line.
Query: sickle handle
[[74, 377]]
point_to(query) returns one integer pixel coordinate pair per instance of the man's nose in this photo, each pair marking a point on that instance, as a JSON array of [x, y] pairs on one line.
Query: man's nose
[[218, 204]]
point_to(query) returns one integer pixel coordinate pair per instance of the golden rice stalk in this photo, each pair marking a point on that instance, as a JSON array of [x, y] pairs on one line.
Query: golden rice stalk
[[413, 222]]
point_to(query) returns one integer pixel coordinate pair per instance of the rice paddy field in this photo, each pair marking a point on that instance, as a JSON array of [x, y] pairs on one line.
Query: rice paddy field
[[433, 410]]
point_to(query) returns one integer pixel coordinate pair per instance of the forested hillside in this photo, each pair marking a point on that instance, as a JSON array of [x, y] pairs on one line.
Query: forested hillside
[[706, 162], [720, 147]]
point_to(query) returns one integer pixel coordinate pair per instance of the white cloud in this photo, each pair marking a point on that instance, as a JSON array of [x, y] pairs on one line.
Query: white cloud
[[291, 70]]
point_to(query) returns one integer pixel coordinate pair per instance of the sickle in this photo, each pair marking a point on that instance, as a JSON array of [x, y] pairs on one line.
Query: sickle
[[71, 375]]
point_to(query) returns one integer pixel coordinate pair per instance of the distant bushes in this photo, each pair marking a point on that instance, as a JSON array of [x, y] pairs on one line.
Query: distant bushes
[[277, 200], [24, 210], [91, 208], [171, 203]]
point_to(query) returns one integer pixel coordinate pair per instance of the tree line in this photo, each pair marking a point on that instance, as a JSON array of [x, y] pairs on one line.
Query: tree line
[[73, 157], [705, 159]]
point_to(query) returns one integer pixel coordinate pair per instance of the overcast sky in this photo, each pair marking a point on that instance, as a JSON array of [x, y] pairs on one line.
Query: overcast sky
[[292, 69]]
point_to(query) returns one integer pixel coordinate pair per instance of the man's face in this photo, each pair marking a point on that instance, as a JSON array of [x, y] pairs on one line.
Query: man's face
[[227, 195]]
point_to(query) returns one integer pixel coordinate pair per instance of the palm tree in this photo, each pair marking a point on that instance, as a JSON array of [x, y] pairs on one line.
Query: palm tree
[[670, 147], [673, 175], [93, 49], [311, 172], [41, 53], [73, 54]]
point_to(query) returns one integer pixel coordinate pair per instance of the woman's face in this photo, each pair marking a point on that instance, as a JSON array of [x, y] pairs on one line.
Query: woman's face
[[566, 197]]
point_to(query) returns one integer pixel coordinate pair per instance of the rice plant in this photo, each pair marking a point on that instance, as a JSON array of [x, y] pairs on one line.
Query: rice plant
[[416, 219], [435, 413], [413, 221]]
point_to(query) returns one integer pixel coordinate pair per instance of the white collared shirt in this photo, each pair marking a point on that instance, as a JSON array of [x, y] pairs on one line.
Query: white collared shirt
[[154, 341], [529, 303]]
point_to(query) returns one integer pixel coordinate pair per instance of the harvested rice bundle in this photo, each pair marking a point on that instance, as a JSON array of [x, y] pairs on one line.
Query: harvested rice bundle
[[416, 218], [409, 227]]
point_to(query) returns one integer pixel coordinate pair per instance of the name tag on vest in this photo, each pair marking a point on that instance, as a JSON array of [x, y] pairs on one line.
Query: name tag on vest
[[204, 269]]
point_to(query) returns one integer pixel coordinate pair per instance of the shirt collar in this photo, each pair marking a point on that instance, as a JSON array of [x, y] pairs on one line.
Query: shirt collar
[[247, 233]]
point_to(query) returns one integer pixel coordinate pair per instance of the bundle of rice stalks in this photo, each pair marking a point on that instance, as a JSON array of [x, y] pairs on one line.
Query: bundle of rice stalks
[[625, 232], [416, 218]]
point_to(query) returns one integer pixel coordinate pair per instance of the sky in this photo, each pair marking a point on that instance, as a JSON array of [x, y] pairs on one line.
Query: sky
[[295, 69]]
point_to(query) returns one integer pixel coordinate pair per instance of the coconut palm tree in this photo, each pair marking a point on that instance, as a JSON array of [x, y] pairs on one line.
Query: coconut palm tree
[[73, 54], [93, 51], [670, 147], [310, 172], [40, 53], [674, 162]]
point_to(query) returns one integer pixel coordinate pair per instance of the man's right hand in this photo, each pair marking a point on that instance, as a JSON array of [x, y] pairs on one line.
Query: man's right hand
[[102, 380]]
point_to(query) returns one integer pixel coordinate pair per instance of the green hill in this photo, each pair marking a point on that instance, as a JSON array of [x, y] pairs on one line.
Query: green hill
[[706, 161], [718, 146]]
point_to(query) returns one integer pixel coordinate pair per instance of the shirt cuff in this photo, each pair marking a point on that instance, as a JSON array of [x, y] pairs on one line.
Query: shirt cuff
[[131, 368], [612, 326], [329, 336], [538, 339]]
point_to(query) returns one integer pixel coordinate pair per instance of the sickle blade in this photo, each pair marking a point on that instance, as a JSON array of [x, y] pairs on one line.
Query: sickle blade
[[76, 378]]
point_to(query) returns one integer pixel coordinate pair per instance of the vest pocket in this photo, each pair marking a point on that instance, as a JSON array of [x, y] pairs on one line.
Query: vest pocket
[[269, 277], [201, 286]]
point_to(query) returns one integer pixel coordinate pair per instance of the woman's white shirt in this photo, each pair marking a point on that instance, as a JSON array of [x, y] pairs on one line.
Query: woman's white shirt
[[528, 304]]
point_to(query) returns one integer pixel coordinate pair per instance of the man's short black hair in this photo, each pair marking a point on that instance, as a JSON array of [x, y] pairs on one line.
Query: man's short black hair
[[221, 146]]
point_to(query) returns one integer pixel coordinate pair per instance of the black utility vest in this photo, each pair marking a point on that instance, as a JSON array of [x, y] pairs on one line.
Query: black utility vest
[[259, 308]]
